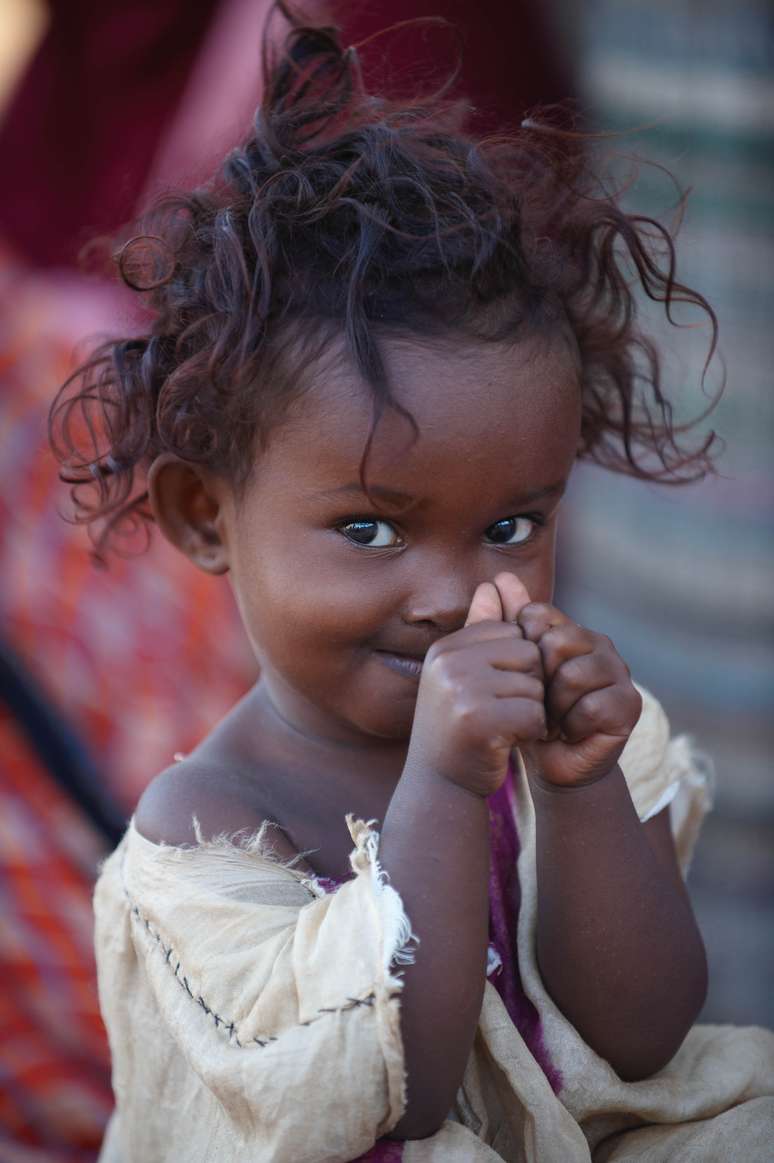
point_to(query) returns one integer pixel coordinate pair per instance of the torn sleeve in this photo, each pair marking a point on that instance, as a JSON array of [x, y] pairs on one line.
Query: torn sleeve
[[661, 771], [250, 1015]]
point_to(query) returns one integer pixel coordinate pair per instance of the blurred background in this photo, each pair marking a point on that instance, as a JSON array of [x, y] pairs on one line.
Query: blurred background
[[104, 675]]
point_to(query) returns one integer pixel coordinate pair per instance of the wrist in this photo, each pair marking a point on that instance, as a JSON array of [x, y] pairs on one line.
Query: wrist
[[460, 775], [431, 776], [557, 790]]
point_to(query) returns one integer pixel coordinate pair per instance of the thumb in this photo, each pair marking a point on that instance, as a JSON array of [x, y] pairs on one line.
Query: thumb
[[513, 595], [486, 605]]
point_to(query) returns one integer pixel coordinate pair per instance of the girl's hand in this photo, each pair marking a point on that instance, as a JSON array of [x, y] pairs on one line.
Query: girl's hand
[[591, 703], [481, 694]]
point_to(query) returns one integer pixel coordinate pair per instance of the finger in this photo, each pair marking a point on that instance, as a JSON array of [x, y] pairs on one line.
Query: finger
[[610, 711], [511, 684], [492, 651], [526, 719], [538, 617], [513, 595], [563, 641], [517, 720], [580, 675], [486, 605]]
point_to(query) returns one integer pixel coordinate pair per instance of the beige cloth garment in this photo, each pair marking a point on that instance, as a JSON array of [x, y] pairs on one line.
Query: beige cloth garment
[[255, 1019]]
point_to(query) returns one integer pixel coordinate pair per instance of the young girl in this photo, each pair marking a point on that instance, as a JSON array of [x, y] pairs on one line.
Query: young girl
[[377, 349]]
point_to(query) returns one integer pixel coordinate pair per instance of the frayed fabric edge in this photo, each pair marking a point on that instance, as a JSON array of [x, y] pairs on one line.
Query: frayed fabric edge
[[399, 939], [690, 795], [255, 844]]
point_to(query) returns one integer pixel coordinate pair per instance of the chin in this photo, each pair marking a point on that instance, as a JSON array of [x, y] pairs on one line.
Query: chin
[[395, 725]]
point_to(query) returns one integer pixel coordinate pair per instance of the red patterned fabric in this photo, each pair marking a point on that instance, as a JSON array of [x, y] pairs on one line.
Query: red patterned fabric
[[142, 660], [55, 1095]]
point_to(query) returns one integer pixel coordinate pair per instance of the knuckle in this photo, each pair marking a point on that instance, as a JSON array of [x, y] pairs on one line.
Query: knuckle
[[463, 710], [534, 717], [572, 674], [554, 635], [448, 670], [533, 687], [556, 640], [594, 704], [467, 713], [530, 653]]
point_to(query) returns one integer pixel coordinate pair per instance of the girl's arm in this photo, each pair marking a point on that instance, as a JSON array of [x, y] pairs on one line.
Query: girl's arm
[[481, 693], [617, 944], [435, 845], [618, 947]]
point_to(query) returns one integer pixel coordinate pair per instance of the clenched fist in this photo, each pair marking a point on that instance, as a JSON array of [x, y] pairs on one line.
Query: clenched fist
[[521, 674], [481, 694], [591, 703]]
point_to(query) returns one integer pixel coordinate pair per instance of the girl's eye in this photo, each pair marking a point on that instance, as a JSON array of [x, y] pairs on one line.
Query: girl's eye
[[374, 534], [511, 530]]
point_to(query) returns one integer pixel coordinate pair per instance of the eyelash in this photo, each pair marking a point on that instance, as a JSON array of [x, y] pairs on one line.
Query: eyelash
[[538, 520]]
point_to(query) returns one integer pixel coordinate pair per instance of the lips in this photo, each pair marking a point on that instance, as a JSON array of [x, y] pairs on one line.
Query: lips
[[409, 665]]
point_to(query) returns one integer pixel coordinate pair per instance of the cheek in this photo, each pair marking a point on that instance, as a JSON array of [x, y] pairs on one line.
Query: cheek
[[313, 606]]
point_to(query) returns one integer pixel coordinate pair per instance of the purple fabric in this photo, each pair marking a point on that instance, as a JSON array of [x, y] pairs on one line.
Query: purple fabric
[[504, 905], [383, 1151]]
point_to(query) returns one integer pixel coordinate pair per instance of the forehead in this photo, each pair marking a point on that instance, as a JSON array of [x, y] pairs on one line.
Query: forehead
[[481, 407]]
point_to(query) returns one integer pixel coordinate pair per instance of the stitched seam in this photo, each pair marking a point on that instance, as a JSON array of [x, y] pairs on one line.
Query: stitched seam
[[229, 1027]]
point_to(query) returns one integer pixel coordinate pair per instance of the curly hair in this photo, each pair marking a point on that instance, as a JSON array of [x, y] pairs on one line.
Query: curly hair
[[347, 214]]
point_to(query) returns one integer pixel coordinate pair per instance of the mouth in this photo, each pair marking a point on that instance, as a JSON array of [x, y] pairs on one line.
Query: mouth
[[406, 664]]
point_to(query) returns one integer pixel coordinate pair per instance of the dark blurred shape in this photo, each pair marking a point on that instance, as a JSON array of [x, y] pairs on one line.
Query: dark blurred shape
[[57, 747], [82, 131]]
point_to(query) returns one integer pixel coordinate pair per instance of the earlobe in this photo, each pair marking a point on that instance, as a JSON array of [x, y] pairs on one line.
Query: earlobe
[[187, 504]]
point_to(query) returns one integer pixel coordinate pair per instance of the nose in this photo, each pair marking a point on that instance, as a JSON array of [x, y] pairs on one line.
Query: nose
[[440, 597]]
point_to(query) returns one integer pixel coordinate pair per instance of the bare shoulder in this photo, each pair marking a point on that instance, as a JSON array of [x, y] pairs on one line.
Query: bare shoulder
[[221, 798]]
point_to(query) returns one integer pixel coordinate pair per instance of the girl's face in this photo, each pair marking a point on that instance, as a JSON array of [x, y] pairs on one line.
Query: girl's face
[[341, 596]]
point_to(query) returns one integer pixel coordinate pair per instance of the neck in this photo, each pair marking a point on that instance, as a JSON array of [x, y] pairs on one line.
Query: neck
[[301, 721]]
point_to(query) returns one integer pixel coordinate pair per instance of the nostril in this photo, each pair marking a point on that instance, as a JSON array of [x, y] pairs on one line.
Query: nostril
[[440, 596], [438, 621]]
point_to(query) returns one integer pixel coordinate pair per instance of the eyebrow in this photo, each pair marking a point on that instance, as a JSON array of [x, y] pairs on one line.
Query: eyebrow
[[534, 495], [398, 498], [392, 496]]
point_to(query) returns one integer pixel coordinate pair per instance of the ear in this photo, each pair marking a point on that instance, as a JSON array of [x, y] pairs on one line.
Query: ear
[[188, 502]]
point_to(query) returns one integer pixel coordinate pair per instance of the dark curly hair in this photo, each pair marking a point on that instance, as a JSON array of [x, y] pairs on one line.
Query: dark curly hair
[[344, 213]]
